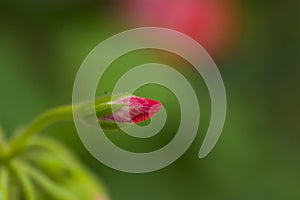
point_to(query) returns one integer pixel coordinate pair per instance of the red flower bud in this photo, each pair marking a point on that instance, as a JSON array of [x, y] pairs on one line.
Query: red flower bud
[[135, 110]]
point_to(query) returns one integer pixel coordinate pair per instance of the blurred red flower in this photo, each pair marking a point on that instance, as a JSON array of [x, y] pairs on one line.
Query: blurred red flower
[[213, 23]]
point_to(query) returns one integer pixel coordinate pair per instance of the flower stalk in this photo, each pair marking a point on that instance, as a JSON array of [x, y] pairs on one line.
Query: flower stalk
[[41, 122], [111, 111]]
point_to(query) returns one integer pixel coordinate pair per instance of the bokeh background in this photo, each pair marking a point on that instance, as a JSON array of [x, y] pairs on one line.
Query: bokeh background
[[256, 45]]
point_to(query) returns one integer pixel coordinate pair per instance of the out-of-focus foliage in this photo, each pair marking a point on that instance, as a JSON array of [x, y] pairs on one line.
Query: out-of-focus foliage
[[257, 156], [45, 170]]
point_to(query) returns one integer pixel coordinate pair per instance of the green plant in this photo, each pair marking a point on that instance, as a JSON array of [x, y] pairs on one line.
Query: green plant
[[34, 167]]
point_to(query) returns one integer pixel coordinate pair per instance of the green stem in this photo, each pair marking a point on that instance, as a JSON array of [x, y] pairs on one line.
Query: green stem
[[2, 143], [53, 190], [41, 122], [99, 106], [4, 183], [27, 185]]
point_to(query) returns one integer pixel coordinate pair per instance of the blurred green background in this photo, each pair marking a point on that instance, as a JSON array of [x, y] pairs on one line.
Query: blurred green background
[[42, 44]]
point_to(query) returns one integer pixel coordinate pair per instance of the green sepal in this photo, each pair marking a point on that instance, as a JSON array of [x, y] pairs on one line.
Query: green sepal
[[101, 106], [112, 126]]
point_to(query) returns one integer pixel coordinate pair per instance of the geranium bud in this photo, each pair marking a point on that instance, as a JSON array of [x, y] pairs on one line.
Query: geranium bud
[[134, 110]]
